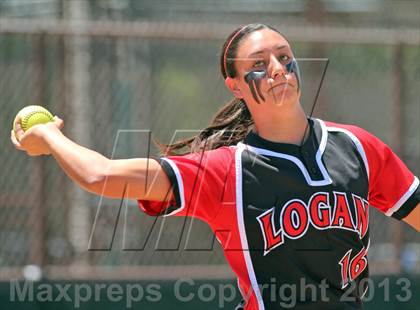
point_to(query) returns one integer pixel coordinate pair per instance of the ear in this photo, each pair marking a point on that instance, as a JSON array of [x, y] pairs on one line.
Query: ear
[[232, 85]]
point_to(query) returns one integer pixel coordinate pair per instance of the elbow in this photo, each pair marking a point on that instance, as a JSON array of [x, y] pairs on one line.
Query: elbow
[[93, 180], [93, 183]]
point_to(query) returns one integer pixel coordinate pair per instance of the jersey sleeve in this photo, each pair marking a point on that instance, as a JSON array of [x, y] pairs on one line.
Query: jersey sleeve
[[393, 189], [198, 181]]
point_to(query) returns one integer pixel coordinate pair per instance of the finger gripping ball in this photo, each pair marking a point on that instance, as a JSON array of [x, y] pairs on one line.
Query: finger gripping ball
[[33, 115]]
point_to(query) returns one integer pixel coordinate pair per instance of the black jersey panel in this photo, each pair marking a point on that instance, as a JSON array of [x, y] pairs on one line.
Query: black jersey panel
[[290, 240]]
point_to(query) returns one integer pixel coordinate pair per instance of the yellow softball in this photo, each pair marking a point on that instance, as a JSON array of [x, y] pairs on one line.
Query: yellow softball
[[33, 115]]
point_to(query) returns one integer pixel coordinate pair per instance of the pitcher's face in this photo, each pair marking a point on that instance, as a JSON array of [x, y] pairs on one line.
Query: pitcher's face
[[267, 72]]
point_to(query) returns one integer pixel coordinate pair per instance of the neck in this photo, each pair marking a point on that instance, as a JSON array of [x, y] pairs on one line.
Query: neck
[[290, 127]]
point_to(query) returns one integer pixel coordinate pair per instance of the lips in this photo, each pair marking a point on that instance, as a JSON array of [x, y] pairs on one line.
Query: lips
[[280, 84]]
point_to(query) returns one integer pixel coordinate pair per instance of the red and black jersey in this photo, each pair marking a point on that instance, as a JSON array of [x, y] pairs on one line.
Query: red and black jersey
[[285, 213]]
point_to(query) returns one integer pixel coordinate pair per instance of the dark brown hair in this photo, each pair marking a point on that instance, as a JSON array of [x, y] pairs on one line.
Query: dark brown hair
[[233, 121]]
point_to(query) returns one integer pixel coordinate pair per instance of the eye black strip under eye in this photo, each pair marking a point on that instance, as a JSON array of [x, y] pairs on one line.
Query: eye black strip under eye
[[252, 87], [258, 87]]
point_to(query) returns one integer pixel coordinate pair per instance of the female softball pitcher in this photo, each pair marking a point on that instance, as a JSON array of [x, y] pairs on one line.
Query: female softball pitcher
[[287, 195]]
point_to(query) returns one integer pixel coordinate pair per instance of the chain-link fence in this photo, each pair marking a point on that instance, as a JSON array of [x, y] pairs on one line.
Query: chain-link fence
[[112, 83]]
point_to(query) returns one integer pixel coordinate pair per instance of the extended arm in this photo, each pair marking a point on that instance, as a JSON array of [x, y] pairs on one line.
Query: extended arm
[[93, 171]]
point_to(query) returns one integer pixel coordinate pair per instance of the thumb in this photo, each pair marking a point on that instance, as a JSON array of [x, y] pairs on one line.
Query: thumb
[[19, 132], [59, 122]]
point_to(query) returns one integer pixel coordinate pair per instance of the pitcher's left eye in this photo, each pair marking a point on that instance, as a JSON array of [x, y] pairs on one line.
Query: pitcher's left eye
[[258, 63], [284, 58]]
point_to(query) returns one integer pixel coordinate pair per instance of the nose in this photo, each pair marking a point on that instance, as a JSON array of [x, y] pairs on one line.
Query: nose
[[277, 69]]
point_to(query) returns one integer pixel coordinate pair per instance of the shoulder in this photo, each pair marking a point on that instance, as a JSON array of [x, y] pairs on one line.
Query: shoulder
[[219, 157], [219, 153], [358, 135], [346, 128], [372, 149]]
